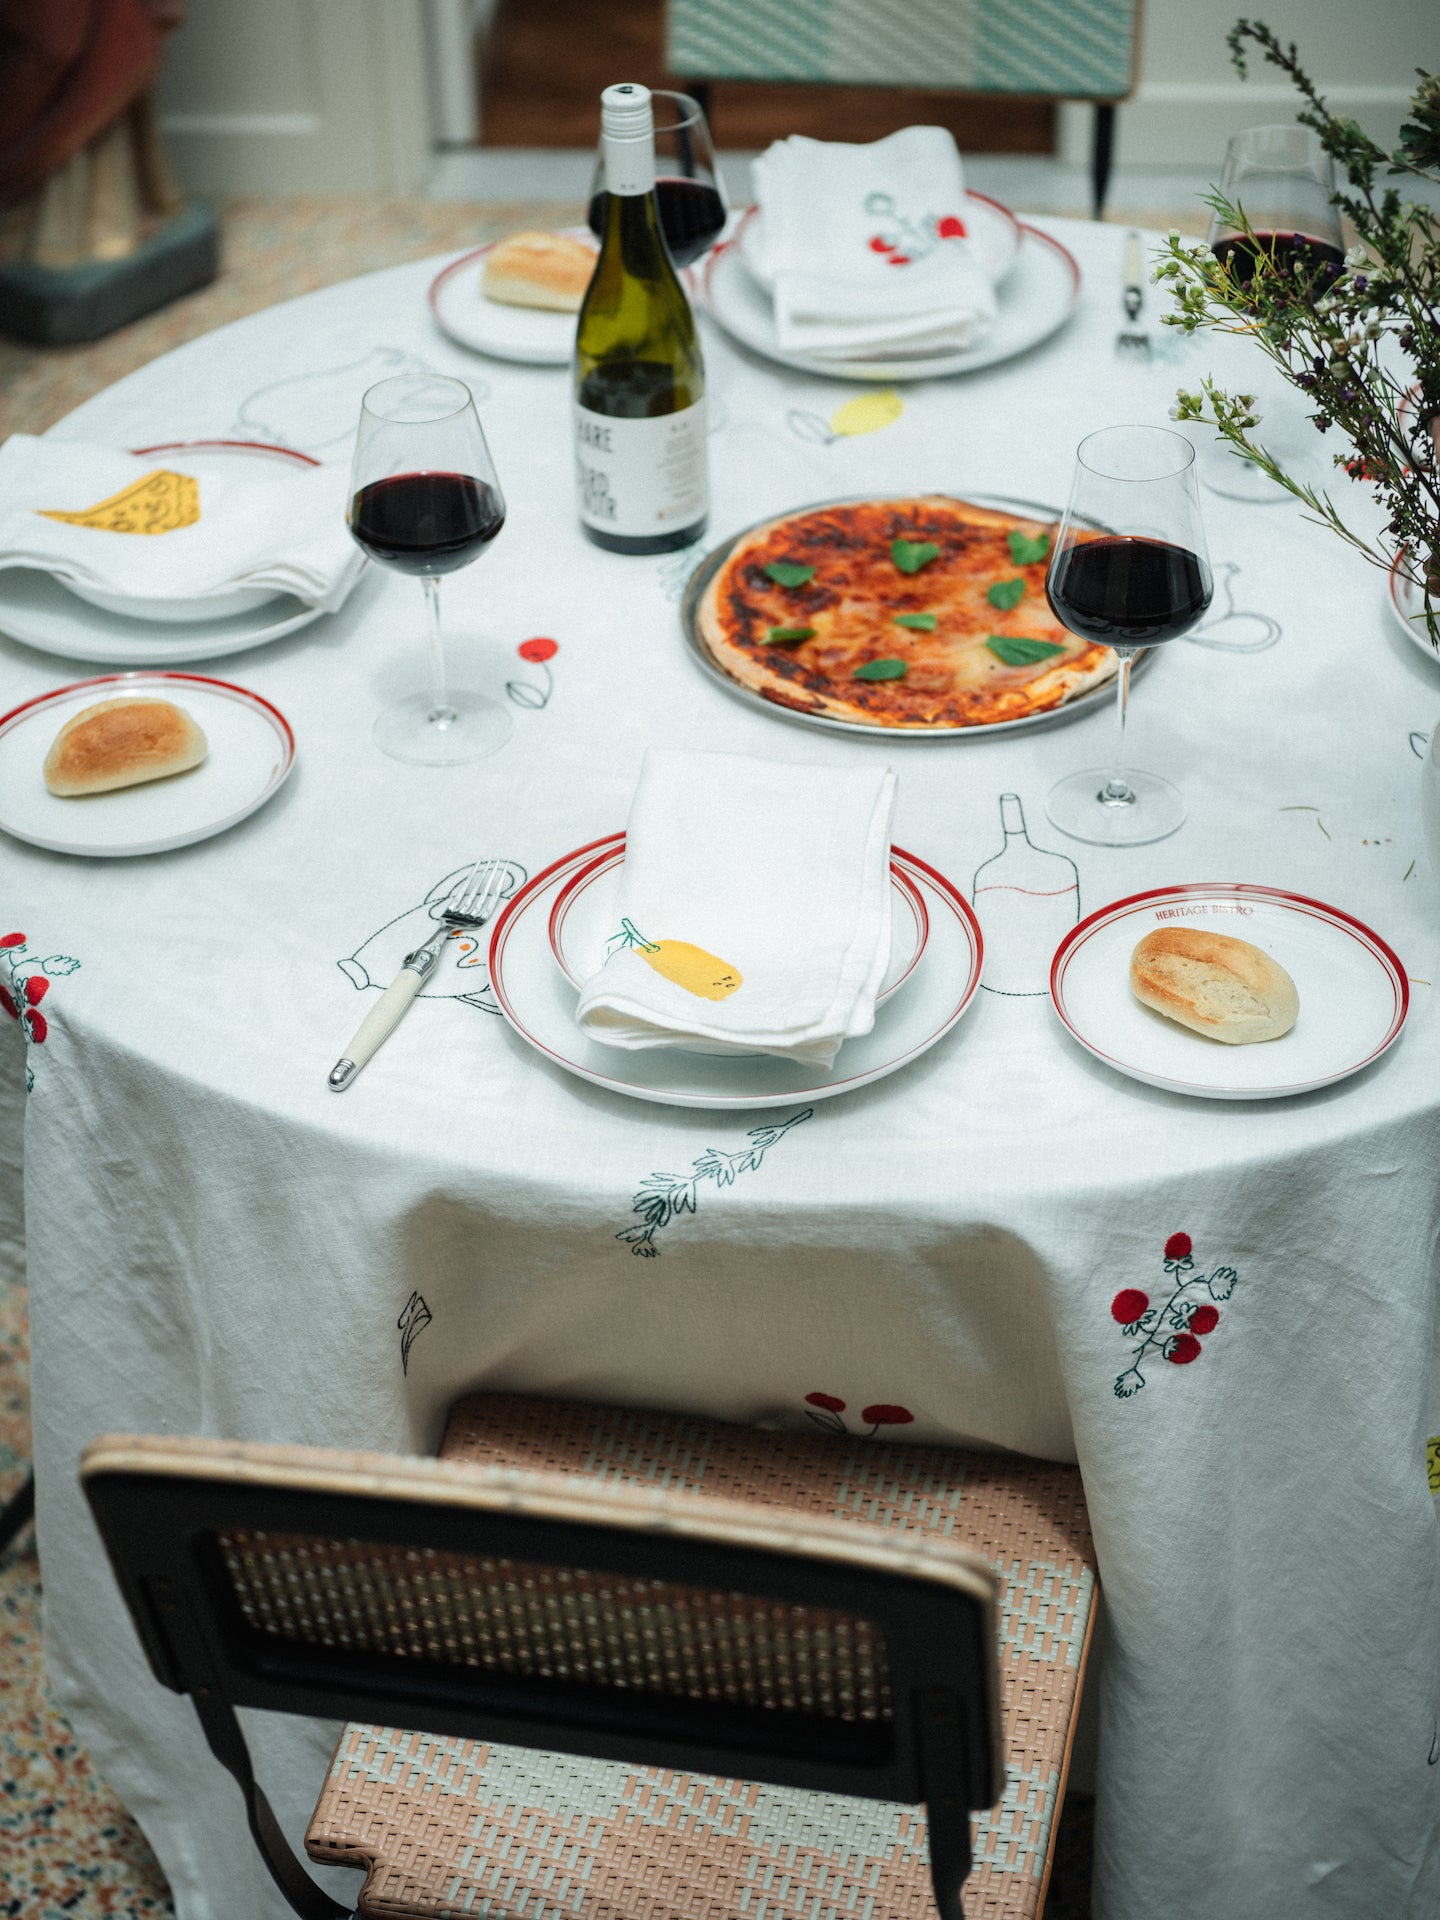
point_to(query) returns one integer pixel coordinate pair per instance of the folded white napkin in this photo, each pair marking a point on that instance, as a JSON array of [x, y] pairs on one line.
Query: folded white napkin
[[260, 525], [754, 909], [868, 247]]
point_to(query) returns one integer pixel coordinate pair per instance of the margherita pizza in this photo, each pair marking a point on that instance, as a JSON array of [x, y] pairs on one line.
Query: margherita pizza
[[925, 613]]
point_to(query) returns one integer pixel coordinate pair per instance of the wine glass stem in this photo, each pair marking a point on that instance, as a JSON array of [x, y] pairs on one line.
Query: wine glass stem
[[441, 712], [1117, 791]]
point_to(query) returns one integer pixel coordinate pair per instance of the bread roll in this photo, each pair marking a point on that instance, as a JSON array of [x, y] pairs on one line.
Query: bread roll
[[122, 743], [539, 270], [1215, 985]]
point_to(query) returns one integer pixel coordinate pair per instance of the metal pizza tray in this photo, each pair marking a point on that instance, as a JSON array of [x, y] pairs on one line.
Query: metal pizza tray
[[1101, 696]]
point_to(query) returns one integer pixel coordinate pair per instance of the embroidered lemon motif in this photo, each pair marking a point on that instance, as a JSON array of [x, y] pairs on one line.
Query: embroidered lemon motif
[[698, 972], [157, 503], [867, 413]]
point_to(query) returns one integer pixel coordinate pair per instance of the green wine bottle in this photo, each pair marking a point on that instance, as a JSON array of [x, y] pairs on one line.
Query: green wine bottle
[[640, 452]]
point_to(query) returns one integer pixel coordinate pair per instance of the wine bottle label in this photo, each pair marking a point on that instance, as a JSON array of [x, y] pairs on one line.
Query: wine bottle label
[[641, 476]]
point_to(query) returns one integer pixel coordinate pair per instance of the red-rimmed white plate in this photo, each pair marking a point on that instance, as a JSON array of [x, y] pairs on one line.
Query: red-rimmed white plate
[[583, 919], [528, 334], [994, 234], [1407, 603], [251, 751], [539, 1003], [1039, 295], [54, 618], [1354, 995]]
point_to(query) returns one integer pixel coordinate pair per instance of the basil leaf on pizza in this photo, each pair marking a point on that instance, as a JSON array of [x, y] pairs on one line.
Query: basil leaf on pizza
[[840, 657], [1006, 594], [785, 573], [911, 555], [1026, 549], [1016, 652]]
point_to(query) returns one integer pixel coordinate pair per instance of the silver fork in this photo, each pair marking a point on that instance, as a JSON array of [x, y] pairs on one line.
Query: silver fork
[[470, 905], [1133, 342]]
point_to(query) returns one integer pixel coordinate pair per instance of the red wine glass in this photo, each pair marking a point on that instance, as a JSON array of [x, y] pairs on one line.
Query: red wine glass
[[688, 187], [1130, 570], [425, 501]]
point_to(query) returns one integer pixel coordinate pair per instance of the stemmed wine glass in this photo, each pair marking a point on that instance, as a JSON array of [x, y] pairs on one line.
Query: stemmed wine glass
[[1280, 182], [1130, 570], [688, 185], [424, 500]]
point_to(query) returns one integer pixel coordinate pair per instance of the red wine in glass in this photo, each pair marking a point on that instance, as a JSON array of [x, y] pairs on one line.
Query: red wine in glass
[[426, 523], [1128, 591], [1301, 256], [692, 216]]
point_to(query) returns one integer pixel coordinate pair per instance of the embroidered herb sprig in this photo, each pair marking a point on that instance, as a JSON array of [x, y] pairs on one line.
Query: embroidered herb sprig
[[788, 636], [911, 555], [920, 622], [789, 573], [665, 1196], [1018, 652], [882, 670], [1176, 1329], [1006, 594], [1025, 551]]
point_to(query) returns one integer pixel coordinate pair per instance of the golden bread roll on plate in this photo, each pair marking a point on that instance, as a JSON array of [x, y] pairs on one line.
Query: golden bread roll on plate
[[1214, 984], [539, 270], [122, 743]]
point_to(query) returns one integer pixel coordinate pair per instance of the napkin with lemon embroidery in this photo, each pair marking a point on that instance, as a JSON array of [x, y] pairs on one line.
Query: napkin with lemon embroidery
[[143, 525], [753, 913]]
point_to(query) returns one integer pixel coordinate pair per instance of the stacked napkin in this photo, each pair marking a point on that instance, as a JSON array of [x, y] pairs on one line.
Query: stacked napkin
[[754, 909], [260, 525], [868, 249]]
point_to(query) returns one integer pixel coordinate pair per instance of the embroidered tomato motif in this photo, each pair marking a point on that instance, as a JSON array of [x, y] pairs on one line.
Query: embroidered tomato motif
[[1184, 1312], [826, 1400], [36, 1025], [12, 940], [1183, 1349], [36, 988], [951, 227], [538, 649], [1178, 1246], [883, 1416], [8, 1004], [1205, 1319], [1128, 1305]]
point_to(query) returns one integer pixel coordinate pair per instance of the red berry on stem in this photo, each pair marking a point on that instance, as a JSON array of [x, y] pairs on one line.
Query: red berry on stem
[[37, 1024], [1178, 1246], [36, 988], [538, 649], [882, 1416], [1205, 1319], [879, 244], [1128, 1305], [1183, 1349], [8, 1004], [826, 1400], [951, 228], [12, 940]]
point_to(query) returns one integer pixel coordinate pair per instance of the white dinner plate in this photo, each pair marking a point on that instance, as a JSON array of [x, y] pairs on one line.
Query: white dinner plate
[[530, 334], [1354, 995], [251, 750], [36, 608], [583, 919], [1038, 297], [539, 1003], [994, 232], [1407, 604]]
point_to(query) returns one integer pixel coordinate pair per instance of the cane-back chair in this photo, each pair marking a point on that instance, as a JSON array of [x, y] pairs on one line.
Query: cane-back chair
[[729, 1667]]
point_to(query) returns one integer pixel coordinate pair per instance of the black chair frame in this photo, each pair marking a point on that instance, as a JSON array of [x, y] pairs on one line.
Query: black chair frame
[[940, 1748]]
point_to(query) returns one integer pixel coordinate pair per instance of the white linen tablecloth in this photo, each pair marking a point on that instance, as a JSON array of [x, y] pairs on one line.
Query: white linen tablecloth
[[219, 1245]]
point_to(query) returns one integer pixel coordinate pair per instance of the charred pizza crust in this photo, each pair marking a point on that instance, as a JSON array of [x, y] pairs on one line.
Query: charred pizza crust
[[952, 679]]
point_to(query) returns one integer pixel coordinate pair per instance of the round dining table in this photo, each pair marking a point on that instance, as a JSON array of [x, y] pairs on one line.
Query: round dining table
[[963, 1252]]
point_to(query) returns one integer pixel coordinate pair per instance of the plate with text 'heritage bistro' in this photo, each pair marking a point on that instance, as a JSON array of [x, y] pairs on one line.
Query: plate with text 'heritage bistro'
[[539, 1002], [249, 753], [1353, 991]]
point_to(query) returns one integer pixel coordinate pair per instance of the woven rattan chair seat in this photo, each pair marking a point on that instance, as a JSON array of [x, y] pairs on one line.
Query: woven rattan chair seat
[[451, 1827]]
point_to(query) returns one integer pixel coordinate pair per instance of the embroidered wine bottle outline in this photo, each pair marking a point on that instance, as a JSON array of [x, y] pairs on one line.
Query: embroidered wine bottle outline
[[704, 974], [1026, 900]]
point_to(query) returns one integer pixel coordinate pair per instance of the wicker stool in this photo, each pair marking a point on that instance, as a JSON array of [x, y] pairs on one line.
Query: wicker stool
[[451, 1828]]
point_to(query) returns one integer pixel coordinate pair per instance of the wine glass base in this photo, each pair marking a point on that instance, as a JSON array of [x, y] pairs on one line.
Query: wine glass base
[[1076, 806], [468, 727]]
